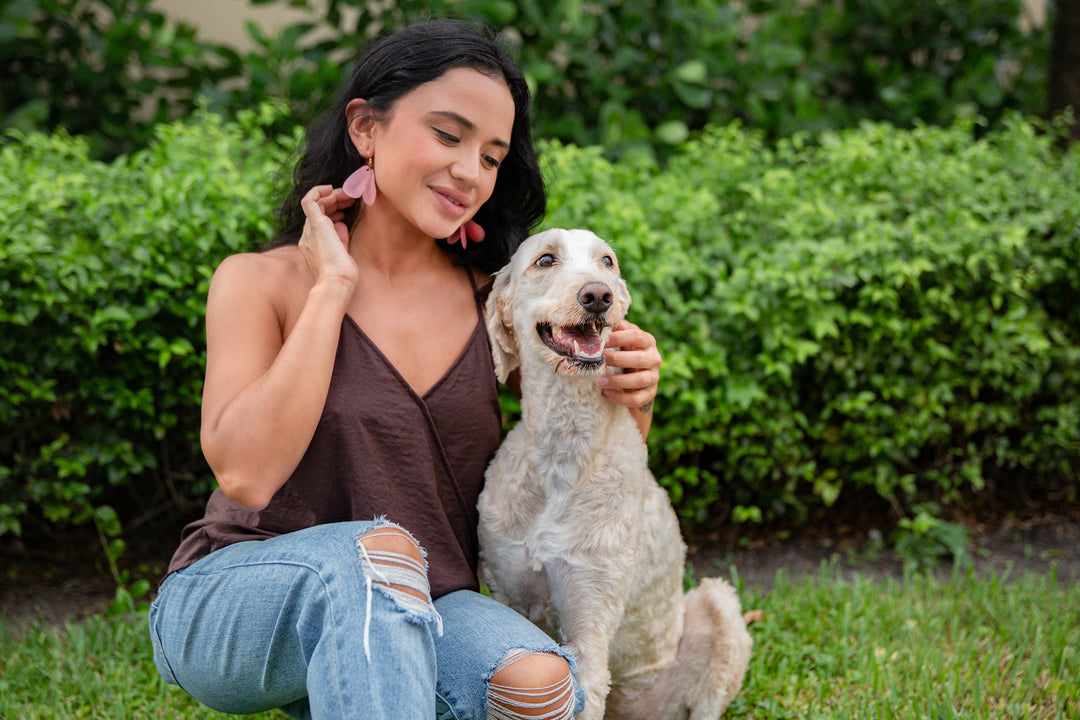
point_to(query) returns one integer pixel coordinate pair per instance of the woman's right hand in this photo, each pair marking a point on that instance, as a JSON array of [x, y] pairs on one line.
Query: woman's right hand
[[324, 241]]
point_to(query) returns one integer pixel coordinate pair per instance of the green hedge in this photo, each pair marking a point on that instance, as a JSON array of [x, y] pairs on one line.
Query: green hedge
[[875, 311], [104, 270], [884, 310]]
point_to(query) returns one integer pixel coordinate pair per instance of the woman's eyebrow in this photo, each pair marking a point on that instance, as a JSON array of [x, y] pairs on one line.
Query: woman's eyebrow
[[466, 123]]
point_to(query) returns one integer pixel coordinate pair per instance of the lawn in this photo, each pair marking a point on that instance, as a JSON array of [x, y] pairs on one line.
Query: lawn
[[966, 646]]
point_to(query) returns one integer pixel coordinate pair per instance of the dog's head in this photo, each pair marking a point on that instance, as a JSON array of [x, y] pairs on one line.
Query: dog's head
[[558, 299]]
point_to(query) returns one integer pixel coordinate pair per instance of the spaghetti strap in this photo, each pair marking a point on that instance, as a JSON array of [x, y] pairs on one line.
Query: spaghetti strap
[[479, 293]]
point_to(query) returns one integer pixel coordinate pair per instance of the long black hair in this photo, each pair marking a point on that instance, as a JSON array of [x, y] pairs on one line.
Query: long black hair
[[392, 67]]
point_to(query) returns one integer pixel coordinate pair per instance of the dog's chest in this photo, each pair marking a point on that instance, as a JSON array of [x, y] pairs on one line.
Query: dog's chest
[[560, 497]]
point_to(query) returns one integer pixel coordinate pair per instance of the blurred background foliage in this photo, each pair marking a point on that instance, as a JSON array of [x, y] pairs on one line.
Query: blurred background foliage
[[857, 173], [625, 74]]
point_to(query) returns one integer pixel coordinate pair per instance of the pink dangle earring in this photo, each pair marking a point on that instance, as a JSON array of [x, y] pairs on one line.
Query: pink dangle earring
[[361, 184], [469, 230]]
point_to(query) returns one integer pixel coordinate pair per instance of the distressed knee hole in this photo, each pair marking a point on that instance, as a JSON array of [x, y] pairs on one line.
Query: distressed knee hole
[[531, 685], [396, 561]]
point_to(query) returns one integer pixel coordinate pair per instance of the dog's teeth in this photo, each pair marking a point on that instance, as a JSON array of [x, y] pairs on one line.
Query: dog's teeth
[[580, 353]]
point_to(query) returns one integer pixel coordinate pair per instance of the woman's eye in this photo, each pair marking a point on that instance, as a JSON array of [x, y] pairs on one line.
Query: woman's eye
[[446, 137], [606, 261], [491, 162], [545, 261]]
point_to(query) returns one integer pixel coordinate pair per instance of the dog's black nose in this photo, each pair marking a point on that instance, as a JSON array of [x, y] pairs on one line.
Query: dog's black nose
[[595, 297]]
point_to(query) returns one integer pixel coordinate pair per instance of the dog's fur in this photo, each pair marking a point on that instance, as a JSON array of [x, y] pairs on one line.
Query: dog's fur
[[575, 533]]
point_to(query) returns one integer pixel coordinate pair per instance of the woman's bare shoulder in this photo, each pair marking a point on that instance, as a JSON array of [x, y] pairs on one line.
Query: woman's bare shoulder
[[281, 262], [276, 280]]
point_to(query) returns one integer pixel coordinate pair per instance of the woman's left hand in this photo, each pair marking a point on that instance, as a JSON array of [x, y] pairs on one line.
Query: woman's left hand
[[634, 351]]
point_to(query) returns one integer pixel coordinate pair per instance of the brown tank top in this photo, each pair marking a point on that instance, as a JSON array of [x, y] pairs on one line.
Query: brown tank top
[[382, 450]]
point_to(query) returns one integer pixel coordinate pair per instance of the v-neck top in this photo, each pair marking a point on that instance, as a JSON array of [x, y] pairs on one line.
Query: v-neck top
[[382, 450]]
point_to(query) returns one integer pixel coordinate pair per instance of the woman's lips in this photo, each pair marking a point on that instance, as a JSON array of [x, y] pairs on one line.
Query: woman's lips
[[455, 203]]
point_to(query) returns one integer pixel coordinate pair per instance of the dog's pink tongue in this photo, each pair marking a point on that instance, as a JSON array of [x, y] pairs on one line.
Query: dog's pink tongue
[[585, 343]]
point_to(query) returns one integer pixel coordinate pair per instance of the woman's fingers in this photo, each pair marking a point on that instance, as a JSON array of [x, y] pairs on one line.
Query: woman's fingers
[[634, 351], [630, 347], [324, 241], [326, 200]]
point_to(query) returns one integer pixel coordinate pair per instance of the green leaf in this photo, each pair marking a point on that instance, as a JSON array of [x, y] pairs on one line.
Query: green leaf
[[672, 132]]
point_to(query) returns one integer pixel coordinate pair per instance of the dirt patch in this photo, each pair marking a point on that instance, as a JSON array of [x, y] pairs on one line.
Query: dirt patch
[[64, 579], [1006, 547]]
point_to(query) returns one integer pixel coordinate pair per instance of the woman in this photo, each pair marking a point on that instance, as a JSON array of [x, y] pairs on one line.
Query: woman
[[350, 409]]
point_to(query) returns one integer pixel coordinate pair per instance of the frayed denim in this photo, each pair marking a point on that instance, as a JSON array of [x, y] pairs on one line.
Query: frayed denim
[[311, 623]]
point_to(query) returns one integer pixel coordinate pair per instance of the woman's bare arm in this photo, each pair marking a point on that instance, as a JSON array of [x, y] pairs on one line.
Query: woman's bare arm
[[263, 395]]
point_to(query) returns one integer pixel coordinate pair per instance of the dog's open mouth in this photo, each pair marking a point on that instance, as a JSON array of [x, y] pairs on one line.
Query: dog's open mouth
[[582, 345]]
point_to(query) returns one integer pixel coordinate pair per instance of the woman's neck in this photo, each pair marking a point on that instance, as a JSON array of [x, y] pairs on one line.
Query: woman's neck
[[392, 249]]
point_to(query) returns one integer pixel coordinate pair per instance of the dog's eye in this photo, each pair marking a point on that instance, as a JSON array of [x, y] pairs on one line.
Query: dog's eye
[[545, 261], [607, 261]]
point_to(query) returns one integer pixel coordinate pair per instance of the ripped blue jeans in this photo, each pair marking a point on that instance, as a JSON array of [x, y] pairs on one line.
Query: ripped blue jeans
[[314, 624]]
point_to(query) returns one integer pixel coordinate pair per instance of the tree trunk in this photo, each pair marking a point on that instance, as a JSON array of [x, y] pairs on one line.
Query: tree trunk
[[1064, 86]]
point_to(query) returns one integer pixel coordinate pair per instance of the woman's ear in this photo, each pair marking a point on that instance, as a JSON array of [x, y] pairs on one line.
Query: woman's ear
[[361, 126]]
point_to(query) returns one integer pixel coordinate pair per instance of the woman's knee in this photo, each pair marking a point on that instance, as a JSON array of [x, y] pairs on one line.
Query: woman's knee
[[395, 561], [531, 685]]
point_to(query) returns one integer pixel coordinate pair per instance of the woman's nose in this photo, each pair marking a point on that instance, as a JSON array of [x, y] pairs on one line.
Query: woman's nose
[[466, 167]]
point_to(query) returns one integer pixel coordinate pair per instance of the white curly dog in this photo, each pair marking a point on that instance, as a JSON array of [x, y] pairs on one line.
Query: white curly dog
[[575, 533]]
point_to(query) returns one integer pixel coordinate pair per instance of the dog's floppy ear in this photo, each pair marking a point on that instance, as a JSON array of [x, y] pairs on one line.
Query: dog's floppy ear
[[500, 325], [623, 291]]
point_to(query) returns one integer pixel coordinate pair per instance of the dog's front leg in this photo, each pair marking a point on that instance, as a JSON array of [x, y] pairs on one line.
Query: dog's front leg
[[589, 603]]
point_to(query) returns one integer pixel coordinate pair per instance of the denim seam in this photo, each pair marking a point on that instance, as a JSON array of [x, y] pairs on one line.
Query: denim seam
[[152, 616], [448, 704]]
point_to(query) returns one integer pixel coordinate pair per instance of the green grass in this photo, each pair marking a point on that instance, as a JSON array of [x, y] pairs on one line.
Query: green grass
[[101, 667], [964, 647]]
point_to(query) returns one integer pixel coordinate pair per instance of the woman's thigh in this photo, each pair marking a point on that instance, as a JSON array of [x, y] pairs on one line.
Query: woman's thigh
[[239, 629], [478, 634]]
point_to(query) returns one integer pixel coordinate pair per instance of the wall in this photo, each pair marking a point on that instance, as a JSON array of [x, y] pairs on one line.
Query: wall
[[223, 21]]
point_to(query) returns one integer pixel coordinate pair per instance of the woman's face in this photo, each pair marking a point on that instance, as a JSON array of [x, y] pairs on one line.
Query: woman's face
[[438, 154]]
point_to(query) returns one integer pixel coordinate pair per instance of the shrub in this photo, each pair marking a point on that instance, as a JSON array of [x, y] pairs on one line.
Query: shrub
[[104, 270], [879, 311], [882, 310]]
